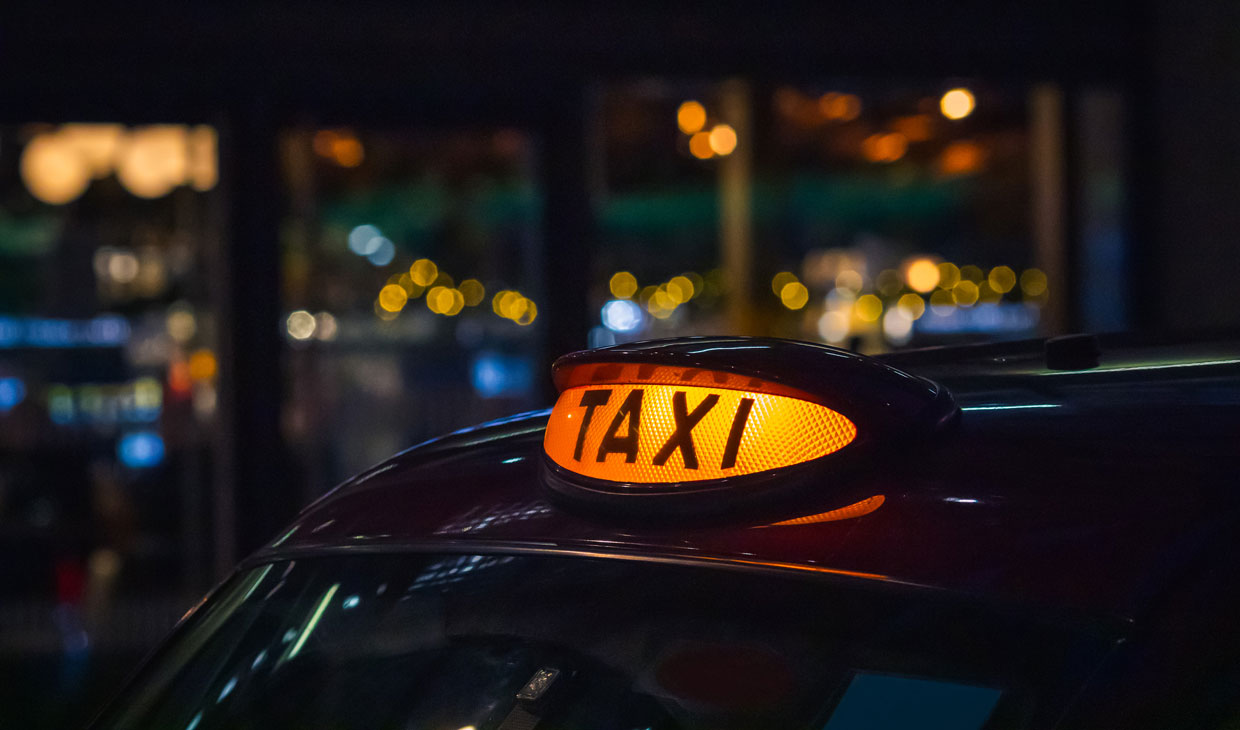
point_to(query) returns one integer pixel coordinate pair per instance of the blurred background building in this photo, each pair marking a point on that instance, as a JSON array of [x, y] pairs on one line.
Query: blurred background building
[[247, 250]]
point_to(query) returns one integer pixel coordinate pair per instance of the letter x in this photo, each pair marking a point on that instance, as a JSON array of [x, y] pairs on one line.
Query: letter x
[[682, 437]]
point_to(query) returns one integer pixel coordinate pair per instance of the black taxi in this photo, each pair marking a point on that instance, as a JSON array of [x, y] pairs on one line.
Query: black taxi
[[752, 533]]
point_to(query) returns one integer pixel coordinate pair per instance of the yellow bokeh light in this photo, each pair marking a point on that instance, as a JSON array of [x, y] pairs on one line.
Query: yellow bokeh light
[[153, 160], [722, 139], [965, 293], [699, 284], [473, 292], [444, 279], [780, 280], [96, 143], [691, 117], [663, 299], [423, 272], [922, 275], [384, 314], [623, 285], [203, 158], [986, 294], [972, 273], [942, 301], [680, 289], [912, 305], [455, 303], [889, 282], [794, 295], [203, 365], [699, 146], [1002, 279], [949, 275], [1033, 282], [497, 301], [392, 297], [53, 171], [850, 279], [868, 308], [957, 103], [405, 281], [528, 313]]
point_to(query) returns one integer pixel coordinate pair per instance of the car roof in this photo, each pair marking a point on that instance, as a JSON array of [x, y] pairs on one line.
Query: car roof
[[1085, 491]]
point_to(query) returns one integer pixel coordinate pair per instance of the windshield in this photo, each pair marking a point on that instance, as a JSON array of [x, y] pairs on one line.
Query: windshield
[[504, 642]]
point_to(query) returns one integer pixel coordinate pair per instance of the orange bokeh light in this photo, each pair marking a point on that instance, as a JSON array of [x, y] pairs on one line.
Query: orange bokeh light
[[650, 433]]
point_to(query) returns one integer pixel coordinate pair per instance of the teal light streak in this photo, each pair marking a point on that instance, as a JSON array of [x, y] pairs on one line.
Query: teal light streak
[[1010, 408], [314, 619]]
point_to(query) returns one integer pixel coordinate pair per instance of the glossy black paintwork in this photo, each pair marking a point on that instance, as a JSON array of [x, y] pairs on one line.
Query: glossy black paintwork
[[1090, 491]]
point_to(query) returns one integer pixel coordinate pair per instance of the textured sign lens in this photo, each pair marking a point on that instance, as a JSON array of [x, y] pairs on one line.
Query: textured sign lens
[[653, 433]]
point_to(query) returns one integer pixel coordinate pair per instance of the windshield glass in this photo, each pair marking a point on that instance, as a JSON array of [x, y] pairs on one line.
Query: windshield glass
[[503, 642]]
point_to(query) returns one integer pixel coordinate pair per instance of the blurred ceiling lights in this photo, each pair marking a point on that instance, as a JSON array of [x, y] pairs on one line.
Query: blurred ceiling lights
[[58, 165]]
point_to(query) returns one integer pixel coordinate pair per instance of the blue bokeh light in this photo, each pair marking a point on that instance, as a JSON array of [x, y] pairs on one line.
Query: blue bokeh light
[[12, 392], [140, 449], [622, 315]]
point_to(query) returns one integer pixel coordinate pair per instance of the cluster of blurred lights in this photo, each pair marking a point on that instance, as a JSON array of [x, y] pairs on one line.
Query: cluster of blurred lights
[[884, 147], [57, 166], [661, 300], [791, 292], [899, 297], [369, 242], [807, 111], [303, 325], [720, 140], [513, 305]]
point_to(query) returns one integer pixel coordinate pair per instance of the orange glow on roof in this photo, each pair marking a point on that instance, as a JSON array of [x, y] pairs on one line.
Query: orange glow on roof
[[663, 430], [864, 507]]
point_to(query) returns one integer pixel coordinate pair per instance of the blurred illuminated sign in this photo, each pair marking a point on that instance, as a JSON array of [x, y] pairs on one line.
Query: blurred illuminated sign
[[984, 318], [106, 330]]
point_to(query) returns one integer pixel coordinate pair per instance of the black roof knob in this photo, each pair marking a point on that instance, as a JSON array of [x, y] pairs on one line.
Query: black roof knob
[[1072, 352]]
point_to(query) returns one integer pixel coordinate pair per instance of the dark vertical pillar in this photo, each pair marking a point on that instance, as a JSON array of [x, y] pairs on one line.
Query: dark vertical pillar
[[568, 224], [254, 495]]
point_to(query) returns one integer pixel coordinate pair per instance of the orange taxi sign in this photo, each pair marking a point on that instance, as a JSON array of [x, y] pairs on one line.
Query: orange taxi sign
[[673, 427]]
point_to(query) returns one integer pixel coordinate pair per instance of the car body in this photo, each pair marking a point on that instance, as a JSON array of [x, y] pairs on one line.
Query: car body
[[1054, 545]]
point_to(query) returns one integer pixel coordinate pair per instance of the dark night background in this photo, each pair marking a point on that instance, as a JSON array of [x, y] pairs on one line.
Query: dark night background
[[210, 328]]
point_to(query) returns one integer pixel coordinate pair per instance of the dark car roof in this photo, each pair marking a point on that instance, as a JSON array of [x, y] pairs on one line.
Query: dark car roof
[[1087, 491]]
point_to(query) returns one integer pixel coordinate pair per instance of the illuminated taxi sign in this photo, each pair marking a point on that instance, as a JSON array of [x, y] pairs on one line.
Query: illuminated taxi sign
[[660, 425]]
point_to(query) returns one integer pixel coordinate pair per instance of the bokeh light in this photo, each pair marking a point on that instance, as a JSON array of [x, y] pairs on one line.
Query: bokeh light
[[691, 117], [722, 139], [622, 285], [622, 315], [794, 295], [424, 272], [922, 275], [957, 103], [301, 325], [53, 171], [1033, 282], [868, 308], [393, 297], [1002, 279], [473, 292]]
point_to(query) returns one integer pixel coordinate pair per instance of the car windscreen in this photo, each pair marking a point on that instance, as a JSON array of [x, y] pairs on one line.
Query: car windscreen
[[500, 642]]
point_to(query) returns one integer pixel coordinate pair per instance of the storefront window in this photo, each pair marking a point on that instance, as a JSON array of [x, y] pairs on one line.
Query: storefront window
[[108, 371], [411, 287], [873, 216]]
